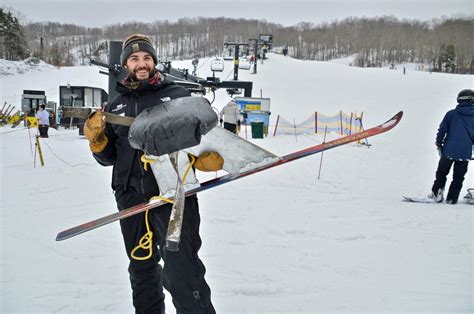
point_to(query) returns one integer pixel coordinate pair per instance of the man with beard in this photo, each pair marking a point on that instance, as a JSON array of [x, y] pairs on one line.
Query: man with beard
[[183, 272]]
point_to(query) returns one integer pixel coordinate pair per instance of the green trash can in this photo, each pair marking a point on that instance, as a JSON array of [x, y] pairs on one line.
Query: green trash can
[[257, 129]]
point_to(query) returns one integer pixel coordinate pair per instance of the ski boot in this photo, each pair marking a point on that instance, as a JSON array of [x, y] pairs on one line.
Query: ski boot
[[438, 197]]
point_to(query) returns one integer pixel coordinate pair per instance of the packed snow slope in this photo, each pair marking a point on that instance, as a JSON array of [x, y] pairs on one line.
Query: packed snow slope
[[278, 241]]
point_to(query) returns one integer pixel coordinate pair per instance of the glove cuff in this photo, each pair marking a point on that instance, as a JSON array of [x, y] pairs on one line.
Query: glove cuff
[[99, 143]]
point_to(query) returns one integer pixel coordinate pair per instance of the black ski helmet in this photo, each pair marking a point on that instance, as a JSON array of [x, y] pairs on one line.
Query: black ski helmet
[[466, 95]]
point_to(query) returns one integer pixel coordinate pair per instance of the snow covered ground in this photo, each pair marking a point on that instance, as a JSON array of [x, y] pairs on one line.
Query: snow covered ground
[[19, 67], [279, 241]]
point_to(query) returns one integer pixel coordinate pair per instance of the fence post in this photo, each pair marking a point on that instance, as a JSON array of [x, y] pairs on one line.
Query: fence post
[[316, 122], [276, 126], [340, 118], [350, 125]]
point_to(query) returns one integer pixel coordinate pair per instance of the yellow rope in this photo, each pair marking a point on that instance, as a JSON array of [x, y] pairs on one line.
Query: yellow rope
[[193, 159], [146, 161], [146, 241]]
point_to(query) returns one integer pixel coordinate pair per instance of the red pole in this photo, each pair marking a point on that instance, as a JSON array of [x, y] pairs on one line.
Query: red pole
[[316, 122], [340, 118], [276, 125]]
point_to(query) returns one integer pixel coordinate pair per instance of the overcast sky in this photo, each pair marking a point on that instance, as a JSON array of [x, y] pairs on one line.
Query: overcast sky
[[286, 12]]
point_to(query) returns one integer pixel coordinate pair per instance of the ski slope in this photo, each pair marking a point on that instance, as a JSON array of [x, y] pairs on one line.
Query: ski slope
[[279, 241]]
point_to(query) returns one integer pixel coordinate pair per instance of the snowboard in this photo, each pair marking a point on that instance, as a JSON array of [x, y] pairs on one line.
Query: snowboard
[[424, 200], [154, 203]]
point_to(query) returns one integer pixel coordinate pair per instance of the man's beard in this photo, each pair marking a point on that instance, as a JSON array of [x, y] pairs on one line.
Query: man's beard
[[133, 76]]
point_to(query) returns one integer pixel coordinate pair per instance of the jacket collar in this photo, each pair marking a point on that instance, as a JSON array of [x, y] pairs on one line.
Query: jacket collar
[[128, 86], [465, 108]]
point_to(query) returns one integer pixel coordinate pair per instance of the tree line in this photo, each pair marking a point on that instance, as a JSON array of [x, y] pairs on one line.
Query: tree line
[[445, 45], [13, 43]]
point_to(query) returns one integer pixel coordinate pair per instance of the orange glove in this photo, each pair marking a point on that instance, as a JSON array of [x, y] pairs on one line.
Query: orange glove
[[209, 161], [94, 131]]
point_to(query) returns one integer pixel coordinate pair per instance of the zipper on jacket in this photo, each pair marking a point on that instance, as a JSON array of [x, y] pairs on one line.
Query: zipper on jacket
[[142, 184]]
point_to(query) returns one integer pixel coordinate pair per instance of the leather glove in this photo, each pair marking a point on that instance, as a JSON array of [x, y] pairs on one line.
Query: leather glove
[[439, 147], [94, 131], [209, 161]]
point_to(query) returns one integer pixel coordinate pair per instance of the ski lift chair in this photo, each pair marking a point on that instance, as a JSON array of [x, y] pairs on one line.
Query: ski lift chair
[[217, 65]]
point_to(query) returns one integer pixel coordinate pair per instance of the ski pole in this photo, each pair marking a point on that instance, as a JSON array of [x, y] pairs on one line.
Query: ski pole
[[40, 153], [362, 129], [34, 158], [3, 112], [294, 126], [29, 136], [322, 153], [3, 108], [10, 112]]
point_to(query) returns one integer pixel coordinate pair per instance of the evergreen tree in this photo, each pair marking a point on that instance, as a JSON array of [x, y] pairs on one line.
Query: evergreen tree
[[449, 59], [12, 38]]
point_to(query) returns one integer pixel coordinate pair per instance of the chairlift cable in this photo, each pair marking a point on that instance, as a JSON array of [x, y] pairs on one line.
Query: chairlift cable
[[231, 72], [203, 64]]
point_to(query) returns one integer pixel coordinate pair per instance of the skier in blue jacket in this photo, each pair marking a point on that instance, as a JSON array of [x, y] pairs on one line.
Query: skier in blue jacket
[[455, 140]]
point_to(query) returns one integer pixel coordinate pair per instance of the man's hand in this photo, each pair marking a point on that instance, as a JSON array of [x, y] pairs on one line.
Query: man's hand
[[94, 131]]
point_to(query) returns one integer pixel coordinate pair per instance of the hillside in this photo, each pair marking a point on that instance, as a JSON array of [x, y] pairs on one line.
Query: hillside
[[279, 241]]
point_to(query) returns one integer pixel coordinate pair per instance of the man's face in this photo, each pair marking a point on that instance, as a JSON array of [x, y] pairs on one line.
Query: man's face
[[139, 65]]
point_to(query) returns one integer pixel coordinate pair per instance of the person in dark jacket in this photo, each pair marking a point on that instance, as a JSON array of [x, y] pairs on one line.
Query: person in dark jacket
[[455, 140], [183, 272]]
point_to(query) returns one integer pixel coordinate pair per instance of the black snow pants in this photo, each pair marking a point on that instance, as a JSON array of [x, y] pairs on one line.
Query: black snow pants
[[459, 171], [232, 127], [183, 272], [43, 130]]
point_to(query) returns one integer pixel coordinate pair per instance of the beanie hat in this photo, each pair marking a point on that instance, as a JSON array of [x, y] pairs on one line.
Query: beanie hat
[[135, 43], [466, 95]]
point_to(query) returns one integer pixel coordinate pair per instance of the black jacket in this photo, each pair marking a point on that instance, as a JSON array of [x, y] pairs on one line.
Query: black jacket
[[128, 169]]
